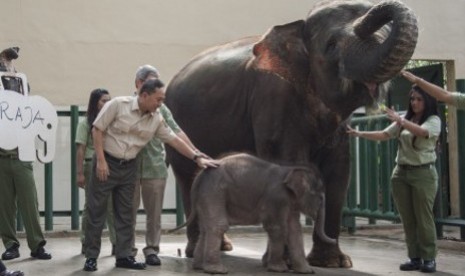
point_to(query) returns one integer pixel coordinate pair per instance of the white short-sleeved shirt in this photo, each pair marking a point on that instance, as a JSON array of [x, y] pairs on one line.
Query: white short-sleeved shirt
[[127, 130]]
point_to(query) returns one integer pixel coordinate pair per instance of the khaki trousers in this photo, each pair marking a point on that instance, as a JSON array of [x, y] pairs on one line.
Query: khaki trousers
[[152, 191], [414, 191], [110, 214], [120, 184]]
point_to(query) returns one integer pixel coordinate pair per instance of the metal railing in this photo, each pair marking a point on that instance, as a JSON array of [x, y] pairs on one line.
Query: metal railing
[[371, 166], [49, 213]]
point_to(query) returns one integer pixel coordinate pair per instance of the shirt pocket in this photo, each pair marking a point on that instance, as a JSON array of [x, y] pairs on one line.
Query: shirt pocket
[[121, 127]]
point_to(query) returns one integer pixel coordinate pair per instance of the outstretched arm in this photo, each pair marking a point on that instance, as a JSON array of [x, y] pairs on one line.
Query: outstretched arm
[[370, 135], [432, 89], [178, 144]]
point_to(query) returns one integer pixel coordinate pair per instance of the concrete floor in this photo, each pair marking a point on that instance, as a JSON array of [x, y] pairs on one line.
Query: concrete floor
[[373, 251]]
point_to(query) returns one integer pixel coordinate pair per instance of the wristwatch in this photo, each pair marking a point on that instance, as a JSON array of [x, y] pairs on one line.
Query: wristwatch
[[196, 156]]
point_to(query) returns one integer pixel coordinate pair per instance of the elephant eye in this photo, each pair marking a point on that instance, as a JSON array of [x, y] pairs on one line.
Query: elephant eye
[[49, 126], [331, 46]]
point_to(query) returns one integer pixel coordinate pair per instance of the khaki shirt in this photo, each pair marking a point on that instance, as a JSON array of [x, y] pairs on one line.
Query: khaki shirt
[[423, 151], [127, 130], [458, 100], [84, 137]]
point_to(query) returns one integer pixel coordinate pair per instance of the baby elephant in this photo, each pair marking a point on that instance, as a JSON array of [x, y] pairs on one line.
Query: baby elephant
[[245, 190]]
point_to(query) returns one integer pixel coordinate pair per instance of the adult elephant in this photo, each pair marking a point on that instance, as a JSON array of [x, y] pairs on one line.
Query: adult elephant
[[286, 96]]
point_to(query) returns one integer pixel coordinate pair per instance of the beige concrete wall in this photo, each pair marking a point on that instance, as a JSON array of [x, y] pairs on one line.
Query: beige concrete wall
[[69, 47]]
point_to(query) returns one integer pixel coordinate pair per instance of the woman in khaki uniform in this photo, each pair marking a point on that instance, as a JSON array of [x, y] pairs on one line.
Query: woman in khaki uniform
[[414, 179]]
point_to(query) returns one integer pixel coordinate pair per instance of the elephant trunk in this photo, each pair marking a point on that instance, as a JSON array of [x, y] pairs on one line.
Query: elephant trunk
[[320, 224], [385, 39]]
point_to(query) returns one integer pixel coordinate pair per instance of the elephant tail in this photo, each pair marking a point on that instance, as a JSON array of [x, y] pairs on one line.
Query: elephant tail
[[190, 219]]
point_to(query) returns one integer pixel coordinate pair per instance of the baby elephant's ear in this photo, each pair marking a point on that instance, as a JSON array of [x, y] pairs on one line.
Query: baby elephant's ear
[[282, 51], [294, 181]]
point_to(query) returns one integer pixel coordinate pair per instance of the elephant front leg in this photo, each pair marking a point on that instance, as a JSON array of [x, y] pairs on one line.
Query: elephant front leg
[[335, 171], [296, 246], [212, 255], [275, 252]]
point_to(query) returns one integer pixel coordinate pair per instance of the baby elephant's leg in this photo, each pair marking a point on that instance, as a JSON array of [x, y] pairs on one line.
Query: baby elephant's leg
[[296, 246], [212, 255], [199, 251], [275, 250]]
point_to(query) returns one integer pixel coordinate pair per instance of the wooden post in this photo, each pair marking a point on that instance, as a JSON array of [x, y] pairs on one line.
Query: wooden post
[[453, 143]]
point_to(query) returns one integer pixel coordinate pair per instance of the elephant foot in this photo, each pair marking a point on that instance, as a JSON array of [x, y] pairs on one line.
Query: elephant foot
[[215, 269], [226, 244], [302, 268], [278, 267], [189, 251], [332, 259], [265, 259], [197, 266]]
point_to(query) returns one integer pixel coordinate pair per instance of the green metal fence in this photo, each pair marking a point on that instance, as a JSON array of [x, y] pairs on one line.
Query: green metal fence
[[75, 212], [371, 166]]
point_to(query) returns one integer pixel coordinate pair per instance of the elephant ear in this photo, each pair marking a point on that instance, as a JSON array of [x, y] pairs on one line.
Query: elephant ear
[[282, 51], [295, 183]]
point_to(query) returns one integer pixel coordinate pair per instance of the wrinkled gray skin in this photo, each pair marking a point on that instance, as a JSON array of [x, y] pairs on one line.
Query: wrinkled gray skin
[[246, 190], [286, 96]]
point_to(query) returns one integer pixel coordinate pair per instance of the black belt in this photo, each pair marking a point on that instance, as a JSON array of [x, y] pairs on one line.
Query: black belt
[[9, 156], [413, 167], [117, 160]]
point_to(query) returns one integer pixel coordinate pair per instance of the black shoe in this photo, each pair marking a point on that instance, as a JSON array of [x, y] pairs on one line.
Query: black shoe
[[152, 259], [428, 266], [412, 264], [129, 262], [41, 254], [11, 273], [113, 250], [90, 264], [11, 253]]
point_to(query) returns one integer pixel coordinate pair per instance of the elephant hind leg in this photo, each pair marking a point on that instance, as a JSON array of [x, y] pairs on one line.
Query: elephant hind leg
[[199, 252], [226, 244], [212, 255]]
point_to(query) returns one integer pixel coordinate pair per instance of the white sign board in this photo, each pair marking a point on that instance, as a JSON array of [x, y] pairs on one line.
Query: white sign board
[[23, 119]]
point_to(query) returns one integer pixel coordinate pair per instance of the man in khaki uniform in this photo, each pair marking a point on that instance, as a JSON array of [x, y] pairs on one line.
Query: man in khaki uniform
[[123, 127]]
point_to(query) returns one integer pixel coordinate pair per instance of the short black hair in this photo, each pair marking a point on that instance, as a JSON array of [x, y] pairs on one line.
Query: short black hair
[[151, 85]]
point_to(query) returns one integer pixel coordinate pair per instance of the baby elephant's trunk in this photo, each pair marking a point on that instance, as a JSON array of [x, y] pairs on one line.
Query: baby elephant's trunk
[[320, 224]]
